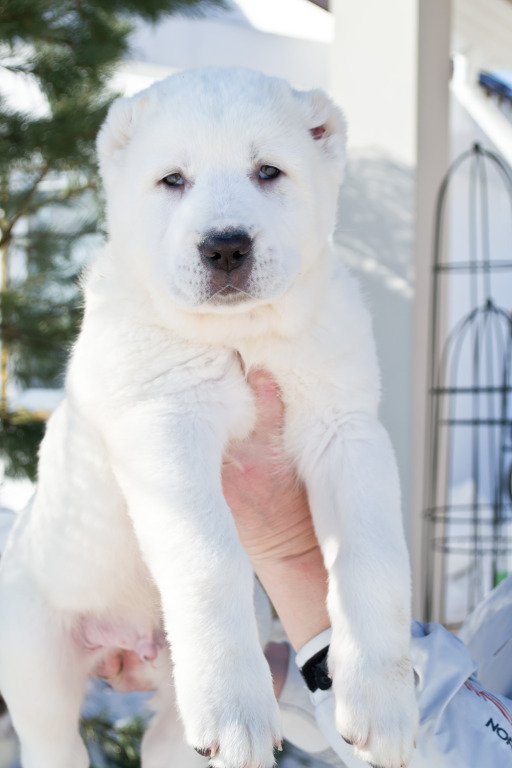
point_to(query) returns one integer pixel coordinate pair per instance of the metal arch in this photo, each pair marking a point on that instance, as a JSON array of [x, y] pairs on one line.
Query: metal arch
[[470, 395]]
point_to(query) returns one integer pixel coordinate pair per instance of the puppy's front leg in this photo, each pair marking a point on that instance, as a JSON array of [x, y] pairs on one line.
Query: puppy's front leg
[[168, 463], [352, 480]]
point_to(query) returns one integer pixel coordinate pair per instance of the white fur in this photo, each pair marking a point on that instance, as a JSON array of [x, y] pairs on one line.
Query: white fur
[[129, 519]]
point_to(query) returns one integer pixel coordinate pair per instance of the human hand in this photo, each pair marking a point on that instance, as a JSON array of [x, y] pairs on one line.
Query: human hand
[[269, 504], [271, 512]]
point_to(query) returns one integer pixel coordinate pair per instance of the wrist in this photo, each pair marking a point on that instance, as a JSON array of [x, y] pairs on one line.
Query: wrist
[[297, 586]]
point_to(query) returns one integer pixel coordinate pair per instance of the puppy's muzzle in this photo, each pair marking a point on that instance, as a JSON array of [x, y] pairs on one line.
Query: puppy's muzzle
[[226, 250]]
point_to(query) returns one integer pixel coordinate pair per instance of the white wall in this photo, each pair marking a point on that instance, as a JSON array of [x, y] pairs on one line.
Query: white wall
[[391, 64], [287, 38], [374, 63]]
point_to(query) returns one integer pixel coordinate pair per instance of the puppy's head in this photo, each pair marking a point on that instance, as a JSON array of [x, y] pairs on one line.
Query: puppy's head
[[221, 185]]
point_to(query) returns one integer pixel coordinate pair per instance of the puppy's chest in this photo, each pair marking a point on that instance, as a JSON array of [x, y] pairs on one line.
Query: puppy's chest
[[126, 364], [295, 363], [148, 364]]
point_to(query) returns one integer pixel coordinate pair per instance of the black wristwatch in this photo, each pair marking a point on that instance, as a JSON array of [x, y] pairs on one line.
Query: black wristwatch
[[316, 673]]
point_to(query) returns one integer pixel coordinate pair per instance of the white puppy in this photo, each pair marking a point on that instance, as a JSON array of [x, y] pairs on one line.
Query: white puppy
[[221, 189]]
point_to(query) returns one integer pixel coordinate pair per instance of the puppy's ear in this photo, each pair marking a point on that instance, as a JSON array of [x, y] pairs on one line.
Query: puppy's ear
[[326, 124], [117, 130]]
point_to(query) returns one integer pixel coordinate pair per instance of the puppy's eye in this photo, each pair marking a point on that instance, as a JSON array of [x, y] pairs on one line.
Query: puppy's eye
[[173, 180], [269, 172]]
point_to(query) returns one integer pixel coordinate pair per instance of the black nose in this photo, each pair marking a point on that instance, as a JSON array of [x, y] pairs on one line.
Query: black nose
[[225, 250]]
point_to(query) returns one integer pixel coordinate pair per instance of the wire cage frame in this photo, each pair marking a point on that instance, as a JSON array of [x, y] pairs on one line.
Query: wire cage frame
[[468, 526]]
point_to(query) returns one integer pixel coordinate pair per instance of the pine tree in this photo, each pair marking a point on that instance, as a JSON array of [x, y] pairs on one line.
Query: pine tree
[[65, 52], [111, 744]]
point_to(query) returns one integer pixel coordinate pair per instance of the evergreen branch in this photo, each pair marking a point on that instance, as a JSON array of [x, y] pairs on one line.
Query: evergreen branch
[[20, 437], [119, 742], [23, 207], [62, 197], [15, 69], [24, 338]]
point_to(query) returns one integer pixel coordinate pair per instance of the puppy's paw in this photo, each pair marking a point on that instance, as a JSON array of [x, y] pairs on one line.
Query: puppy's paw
[[243, 743], [377, 712], [236, 723]]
